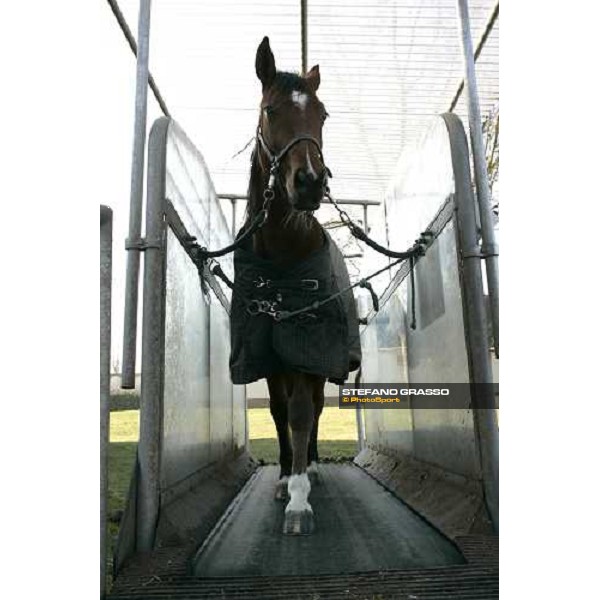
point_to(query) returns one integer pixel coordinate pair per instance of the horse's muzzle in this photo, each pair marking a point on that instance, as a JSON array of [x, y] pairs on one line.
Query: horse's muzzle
[[308, 189]]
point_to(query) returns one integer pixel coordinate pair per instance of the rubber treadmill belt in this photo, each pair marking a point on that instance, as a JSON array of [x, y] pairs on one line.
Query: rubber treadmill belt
[[359, 526]]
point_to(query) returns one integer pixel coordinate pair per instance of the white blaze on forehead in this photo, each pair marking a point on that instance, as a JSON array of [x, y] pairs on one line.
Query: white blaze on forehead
[[300, 99]]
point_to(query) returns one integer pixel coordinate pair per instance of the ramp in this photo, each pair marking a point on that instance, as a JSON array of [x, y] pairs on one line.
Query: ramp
[[360, 526]]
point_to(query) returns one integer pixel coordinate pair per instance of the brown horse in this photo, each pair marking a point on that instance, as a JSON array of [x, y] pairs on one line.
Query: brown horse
[[290, 126]]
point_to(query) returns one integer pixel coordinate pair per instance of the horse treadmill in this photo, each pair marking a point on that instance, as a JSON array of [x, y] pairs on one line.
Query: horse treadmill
[[413, 517]]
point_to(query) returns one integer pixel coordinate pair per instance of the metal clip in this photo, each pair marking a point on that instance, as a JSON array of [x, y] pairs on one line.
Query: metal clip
[[261, 282], [142, 244], [310, 284], [266, 307]]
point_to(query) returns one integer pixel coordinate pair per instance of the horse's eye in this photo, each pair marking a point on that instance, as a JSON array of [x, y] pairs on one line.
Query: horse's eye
[[269, 111], [324, 116]]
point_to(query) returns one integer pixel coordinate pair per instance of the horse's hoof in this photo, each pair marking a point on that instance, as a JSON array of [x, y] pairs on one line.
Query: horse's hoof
[[313, 474], [298, 522], [281, 489]]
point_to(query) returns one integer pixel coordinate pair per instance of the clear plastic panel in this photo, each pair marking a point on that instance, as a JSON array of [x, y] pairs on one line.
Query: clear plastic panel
[[190, 189], [221, 388], [385, 360], [434, 352], [186, 396], [437, 353], [421, 183], [204, 418]]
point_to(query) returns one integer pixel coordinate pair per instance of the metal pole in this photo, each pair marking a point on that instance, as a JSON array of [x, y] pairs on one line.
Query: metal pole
[[105, 300], [480, 368], [136, 198], [488, 29], [132, 44], [325, 200], [363, 311], [233, 216], [304, 34], [153, 341], [489, 248]]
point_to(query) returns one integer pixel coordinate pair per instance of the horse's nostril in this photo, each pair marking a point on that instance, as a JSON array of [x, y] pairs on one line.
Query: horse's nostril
[[301, 178]]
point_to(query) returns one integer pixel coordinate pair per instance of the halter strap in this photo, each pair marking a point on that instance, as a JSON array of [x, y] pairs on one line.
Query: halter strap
[[276, 158]]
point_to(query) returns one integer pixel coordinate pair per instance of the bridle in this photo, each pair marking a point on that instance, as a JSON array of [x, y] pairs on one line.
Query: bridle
[[276, 158]]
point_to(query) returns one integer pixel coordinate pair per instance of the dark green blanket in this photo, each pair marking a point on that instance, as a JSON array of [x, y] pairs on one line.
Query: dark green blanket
[[324, 341]]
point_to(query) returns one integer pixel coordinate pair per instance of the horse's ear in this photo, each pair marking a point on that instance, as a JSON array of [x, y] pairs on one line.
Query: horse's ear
[[313, 78], [265, 63]]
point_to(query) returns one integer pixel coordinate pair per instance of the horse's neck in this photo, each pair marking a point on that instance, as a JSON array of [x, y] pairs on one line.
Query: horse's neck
[[285, 239]]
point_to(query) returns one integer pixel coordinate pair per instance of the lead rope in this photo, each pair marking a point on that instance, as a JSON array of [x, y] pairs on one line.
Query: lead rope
[[418, 249]]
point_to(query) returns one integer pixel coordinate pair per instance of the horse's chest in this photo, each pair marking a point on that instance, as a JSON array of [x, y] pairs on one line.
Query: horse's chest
[[285, 248]]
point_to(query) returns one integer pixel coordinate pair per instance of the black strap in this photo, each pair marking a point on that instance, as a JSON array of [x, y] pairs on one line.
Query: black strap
[[367, 285], [202, 253], [413, 294]]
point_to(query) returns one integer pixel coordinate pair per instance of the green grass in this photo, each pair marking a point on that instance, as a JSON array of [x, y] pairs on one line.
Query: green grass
[[267, 451], [337, 434], [124, 435]]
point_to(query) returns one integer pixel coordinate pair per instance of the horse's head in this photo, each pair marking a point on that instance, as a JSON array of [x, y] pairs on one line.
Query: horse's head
[[290, 114]]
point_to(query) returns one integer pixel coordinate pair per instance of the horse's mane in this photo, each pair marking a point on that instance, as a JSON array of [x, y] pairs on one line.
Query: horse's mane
[[286, 83]]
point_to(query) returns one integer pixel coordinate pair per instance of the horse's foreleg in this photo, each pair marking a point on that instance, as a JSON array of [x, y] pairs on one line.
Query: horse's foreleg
[[313, 453], [278, 404], [298, 512]]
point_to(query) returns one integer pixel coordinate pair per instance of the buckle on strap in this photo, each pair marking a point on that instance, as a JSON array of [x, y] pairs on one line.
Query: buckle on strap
[[310, 284], [261, 282], [267, 307]]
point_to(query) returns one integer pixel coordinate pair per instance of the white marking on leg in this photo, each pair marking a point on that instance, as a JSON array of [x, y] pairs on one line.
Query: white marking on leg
[[298, 489], [300, 99]]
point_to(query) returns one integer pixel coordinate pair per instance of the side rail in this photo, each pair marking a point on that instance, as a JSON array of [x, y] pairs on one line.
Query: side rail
[[105, 314], [440, 335], [191, 416]]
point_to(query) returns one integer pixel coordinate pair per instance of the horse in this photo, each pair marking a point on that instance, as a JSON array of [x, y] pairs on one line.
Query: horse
[[287, 162]]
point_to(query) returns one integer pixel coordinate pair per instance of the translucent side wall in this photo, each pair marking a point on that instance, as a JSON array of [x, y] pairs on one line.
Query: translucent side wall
[[421, 193], [203, 416]]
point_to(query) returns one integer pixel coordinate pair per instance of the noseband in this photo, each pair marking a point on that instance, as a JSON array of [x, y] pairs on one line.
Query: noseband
[[275, 159]]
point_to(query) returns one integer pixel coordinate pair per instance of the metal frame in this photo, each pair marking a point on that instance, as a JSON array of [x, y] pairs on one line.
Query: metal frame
[[461, 207], [489, 249], [154, 278], [160, 216], [304, 34], [152, 347], [105, 331], [482, 398], [234, 198]]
